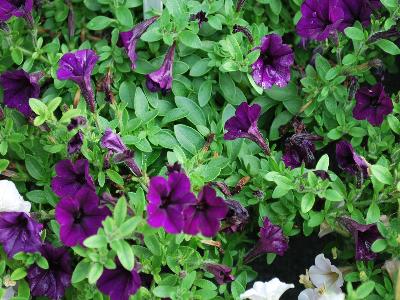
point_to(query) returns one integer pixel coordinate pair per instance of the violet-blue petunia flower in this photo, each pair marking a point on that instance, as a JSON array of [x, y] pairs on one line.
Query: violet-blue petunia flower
[[71, 177], [372, 104], [19, 233], [119, 283], [75, 143], [364, 236], [17, 8], [19, 86], [161, 79], [167, 200], [79, 216], [205, 214], [78, 67], [358, 10], [349, 161], [271, 240], [300, 149], [222, 273], [51, 282], [244, 125], [273, 65], [236, 218], [130, 38], [320, 19]]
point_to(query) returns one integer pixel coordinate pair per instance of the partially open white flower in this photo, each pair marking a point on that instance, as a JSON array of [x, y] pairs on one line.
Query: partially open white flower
[[270, 290], [11, 200], [317, 294], [325, 275]]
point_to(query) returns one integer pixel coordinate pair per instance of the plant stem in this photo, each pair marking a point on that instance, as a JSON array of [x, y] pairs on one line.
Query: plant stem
[[30, 53]]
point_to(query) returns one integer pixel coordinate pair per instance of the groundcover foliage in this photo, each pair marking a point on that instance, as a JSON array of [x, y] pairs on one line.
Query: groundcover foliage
[[158, 155]]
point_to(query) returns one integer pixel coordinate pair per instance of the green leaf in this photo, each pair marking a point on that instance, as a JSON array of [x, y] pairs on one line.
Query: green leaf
[[96, 241], [322, 66], [34, 167], [18, 274], [382, 174], [141, 104], [127, 93], [53, 104], [200, 67], [365, 289], [124, 16], [194, 113], [190, 39], [323, 163], [373, 213], [394, 123], [188, 138], [333, 195], [95, 271], [307, 202], [38, 106], [120, 211], [125, 254], [153, 244], [114, 176], [99, 23], [354, 33], [388, 47], [205, 91], [129, 226], [379, 245], [81, 271], [3, 164], [17, 56]]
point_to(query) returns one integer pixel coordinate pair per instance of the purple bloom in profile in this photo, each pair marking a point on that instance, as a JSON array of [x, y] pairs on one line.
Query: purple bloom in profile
[[236, 218], [271, 240], [18, 87], [19, 232], [53, 281], [237, 28], [130, 38], [119, 283], [273, 65], [200, 17], [17, 8], [175, 168], [71, 177], [222, 273], [300, 149], [204, 216], [372, 104], [244, 125], [114, 143], [358, 10], [167, 200], [320, 18], [78, 66], [76, 122], [79, 216], [349, 161], [75, 143], [161, 79], [364, 236]]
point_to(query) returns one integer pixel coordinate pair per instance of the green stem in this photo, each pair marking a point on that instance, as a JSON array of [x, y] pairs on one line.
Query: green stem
[[30, 53]]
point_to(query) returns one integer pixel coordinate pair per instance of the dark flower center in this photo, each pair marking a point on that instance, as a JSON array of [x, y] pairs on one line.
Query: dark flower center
[[19, 3], [374, 102], [78, 216], [202, 206], [81, 179], [165, 201], [268, 59], [22, 221]]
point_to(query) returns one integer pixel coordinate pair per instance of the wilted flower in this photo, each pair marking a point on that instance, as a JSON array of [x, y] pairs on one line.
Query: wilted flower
[[273, 65], [53, 281], [321, 294], [300, 149], [320, 18], [359, 10], [324, 274], [270, 290], [19, 86], [349, 161], [19, 232], [20, 9], [167, 200], [236, 218], [222, 273], [204, 216], [71, 19], [200, 17], [130, 38], [76, 122], [392, 267], [161, 79], [364, 236], [119, 283], [106, 87], [244, 125], [11, 200], [271, 240], [244, 30], [372, 104], [71, 177], [79, 216], [175, 168], [78, 66], [239, 4], [75, 143]]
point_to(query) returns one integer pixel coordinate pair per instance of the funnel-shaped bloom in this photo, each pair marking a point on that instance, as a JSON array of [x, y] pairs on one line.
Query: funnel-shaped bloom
[[236, 218], [75, 143], [18, 87], [244, 125], [273, 65], [270, 290], [17, 8], [222, 273], [78, 67], [300, 149], [161, 79], [358, 10], [349, 161]]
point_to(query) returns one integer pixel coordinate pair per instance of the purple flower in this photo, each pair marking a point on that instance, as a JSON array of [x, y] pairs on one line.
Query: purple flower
[[78, 67], [349, 161], [161, 79], [200, 17], [364, 236], [76, 122], [204, 216], [19, 232], [130, 38], [119, 283], [244, 125], [236, 218], [237, 28], [18, 87], [271, 240], [320, 18], [167, 200], [175, 168], [75, 143], [79, 216], [300, 149], [17, 8], [222, 273], [53, 281], [273, 65], [358, 10], [239, 5], [372, 104], [71, 177]]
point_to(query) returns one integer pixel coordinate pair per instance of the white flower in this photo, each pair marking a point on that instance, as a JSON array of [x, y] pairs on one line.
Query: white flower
[[11, 200], [325, 275], [270, 290], [317, 294]]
